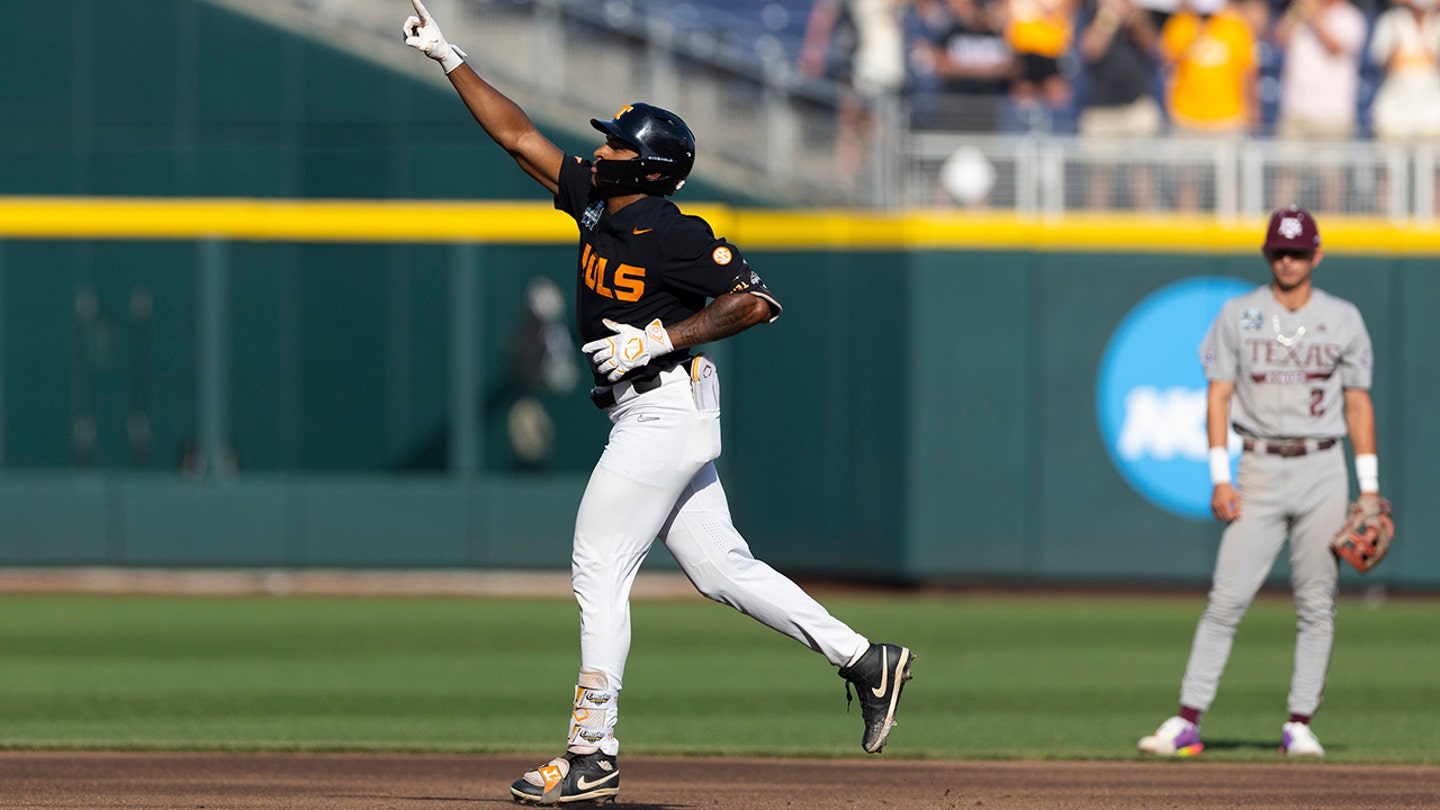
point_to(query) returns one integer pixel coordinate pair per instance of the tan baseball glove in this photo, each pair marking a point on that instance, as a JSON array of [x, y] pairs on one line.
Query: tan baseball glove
[[1367, 533]]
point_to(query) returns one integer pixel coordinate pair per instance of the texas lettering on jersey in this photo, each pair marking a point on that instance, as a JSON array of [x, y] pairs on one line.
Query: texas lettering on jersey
[[1290, 368], [1301, 362]]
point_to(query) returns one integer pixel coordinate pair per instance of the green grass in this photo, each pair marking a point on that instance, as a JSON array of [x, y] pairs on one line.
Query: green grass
[[997, 677]]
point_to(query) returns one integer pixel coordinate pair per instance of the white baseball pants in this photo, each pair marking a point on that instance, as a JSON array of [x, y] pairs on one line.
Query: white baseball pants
[[657, 478]]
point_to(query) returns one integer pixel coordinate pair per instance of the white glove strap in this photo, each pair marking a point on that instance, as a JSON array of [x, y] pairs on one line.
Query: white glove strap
[[1367, 472], [453, 58]]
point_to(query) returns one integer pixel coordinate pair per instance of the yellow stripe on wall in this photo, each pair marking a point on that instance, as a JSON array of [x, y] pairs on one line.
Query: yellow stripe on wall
[[768, 229], [280, 220]]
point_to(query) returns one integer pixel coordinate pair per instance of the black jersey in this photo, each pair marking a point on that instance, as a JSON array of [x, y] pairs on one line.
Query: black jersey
[[644, 262]]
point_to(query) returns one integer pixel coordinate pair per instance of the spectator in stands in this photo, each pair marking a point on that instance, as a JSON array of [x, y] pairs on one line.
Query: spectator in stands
[[925, 23], [1208, 50], [974, 65], [859, 44], [1039, 33], [1115, 47], [1322, 42], [1406, 46]]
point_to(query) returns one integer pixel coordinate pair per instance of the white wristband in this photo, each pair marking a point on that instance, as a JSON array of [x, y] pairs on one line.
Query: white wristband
[[1367, 472], [1219, 465]]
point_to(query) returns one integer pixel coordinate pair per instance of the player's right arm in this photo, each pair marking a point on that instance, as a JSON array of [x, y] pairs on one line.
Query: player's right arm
[[1224, 500], [501, 118], [509, 126], [728, 315]]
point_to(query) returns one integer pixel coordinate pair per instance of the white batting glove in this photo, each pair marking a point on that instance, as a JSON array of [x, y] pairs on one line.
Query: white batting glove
[[628, 348], [423, 34]]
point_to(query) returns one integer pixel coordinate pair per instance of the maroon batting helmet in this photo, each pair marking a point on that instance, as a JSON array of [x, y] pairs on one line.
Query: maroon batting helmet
[[1291, 229]]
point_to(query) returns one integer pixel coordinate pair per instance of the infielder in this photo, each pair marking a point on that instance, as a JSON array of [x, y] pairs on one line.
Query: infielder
[[1289, 367], [643, 279]]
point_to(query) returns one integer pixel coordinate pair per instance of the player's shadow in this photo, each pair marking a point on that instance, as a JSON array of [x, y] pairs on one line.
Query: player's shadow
[[1255, 745], [618, 804], [466, 801]]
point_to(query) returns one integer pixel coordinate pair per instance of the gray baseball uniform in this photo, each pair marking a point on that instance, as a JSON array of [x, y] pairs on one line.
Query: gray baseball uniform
[[1290, 370]]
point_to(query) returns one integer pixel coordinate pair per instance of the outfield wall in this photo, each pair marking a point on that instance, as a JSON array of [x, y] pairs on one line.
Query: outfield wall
[[925, 409]]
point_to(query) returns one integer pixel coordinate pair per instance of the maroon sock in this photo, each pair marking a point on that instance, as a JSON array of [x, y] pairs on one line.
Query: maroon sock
[[1300, 718], [1193, 715]]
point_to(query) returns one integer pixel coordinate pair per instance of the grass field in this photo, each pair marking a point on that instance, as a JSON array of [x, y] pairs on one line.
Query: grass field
[[997, 676]]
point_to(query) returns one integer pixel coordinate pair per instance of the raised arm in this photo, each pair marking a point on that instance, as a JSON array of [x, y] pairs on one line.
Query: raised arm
[[501, 118]]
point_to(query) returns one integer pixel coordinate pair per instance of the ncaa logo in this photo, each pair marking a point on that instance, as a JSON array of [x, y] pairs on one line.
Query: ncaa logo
[[1150, 395]]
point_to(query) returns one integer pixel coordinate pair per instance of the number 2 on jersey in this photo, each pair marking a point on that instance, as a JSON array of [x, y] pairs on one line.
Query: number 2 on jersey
[[1317, 402], [627, 284]]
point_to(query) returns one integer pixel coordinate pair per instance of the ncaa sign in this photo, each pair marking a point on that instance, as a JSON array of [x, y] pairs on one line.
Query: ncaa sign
[[1150, 394]]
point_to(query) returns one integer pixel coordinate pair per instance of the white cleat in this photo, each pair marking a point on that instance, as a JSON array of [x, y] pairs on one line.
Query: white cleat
[[1297, 740], [1176, 737]]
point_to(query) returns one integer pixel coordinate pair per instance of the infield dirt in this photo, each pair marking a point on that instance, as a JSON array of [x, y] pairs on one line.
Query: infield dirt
[[100, 780]]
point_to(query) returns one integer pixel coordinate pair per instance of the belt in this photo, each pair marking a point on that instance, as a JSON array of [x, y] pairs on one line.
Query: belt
[[1289, 448], [605, 397]]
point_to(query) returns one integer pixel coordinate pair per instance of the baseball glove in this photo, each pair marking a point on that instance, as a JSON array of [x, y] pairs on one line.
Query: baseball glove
[[1367, 533]]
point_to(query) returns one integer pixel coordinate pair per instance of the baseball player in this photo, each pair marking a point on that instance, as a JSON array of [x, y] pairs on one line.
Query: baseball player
[[652, 282], [1289, 368]]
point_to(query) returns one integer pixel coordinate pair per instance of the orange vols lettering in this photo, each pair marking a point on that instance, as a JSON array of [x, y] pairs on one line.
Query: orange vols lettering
[[589, 262], [628, 282]]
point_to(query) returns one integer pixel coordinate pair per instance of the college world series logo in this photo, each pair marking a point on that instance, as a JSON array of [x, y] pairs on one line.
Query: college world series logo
[[1150, 394]]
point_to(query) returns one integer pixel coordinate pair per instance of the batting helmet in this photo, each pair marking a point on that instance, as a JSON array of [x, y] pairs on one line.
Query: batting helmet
[[665, 144], [1291, 229]]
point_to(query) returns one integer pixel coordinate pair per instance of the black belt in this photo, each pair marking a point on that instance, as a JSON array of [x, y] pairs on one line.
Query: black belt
[[605, 398], [1289, 448]]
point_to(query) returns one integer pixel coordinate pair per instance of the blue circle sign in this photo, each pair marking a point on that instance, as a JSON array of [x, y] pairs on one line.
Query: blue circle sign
[[1150, 394]]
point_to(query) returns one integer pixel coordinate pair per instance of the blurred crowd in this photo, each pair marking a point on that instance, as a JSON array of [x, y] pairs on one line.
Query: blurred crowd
[[1324, 69], [1303, 70]]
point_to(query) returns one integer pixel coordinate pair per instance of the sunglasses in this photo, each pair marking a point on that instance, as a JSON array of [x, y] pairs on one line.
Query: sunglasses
[[1289, 253]]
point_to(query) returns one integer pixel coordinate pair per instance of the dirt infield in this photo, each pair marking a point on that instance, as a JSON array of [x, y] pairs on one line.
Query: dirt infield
[[98, 780]]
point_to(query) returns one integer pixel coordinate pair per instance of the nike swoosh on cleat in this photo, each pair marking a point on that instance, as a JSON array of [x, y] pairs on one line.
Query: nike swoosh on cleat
[[884, 673], [585, 784]]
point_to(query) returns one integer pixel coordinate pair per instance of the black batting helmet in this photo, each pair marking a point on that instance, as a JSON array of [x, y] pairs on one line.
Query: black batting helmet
[[665, 144]]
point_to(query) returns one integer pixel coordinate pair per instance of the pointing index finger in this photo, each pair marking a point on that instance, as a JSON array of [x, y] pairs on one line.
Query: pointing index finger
[[420, 10]]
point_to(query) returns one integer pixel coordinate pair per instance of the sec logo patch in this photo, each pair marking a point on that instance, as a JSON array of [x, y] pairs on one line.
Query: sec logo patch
[[722, 255]]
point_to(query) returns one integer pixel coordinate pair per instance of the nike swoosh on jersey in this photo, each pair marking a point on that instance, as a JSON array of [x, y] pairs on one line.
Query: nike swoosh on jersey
[[638, 231], [585, 784], [884, 673]]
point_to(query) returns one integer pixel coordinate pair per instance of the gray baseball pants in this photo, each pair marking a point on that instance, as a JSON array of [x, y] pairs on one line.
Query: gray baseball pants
[[1304, 498]]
